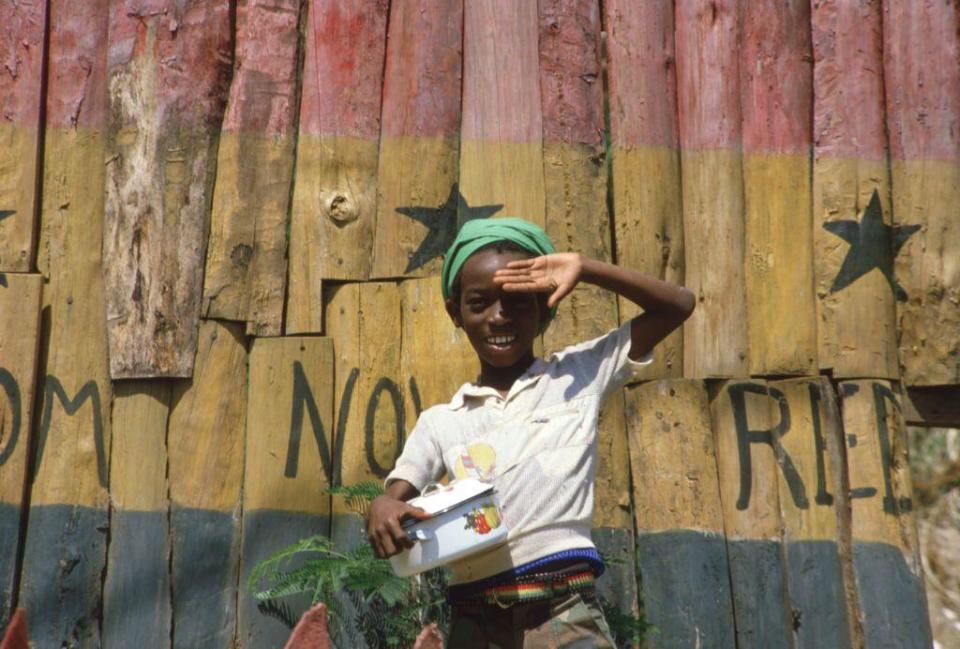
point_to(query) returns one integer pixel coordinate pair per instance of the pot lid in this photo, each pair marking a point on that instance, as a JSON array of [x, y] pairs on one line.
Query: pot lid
[[438, 498]]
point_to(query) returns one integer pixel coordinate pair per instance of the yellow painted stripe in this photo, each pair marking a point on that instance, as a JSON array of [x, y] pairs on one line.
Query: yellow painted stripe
[[18, 184]]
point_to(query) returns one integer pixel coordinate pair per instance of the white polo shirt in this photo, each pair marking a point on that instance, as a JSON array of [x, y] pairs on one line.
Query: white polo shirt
[[537, 445]]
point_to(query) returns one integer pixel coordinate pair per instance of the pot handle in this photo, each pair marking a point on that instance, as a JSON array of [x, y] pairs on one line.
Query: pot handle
[[430, 488], [420, 535]]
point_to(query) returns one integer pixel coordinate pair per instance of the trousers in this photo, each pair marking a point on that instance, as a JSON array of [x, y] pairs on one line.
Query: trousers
[[572, 621]]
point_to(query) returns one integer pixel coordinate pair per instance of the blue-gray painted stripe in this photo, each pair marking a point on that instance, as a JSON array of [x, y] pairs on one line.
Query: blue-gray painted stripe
[[759, 594], [10, 533], [815, 581], [618, 584], [136, 607], [685, 589], [891, 597], [60, 586], [205, 549]]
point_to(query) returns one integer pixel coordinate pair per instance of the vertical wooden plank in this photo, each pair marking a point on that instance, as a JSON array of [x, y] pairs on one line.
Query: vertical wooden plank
[[776, 86], [136, 591], [246, 267], [648, 212], [708, 100], [809, 441], [749, 457], [585, 314], [205, 447], [289, 458], [22, 26], [334, 196], [66, 536], [501, 152], [20, 299], [363, 320], [682, 557], [420, 139], [428, 334], [886, 564], [855, 310], [921, 44], [571, 92], [169, 68]]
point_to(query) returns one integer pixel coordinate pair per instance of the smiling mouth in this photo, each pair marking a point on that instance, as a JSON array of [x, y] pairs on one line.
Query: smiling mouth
[[500, 341]]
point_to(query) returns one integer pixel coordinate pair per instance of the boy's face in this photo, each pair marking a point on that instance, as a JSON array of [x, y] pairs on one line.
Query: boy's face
[[501, 326]]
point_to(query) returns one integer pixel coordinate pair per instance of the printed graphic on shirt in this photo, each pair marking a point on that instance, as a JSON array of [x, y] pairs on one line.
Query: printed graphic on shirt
[[477, 460]]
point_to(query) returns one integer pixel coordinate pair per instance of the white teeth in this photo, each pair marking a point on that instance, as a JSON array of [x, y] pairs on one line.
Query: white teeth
[[501, 340]]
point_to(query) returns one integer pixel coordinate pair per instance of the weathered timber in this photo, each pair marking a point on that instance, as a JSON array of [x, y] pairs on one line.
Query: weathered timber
[[776, 82], [136, 592], [66, 539], [921, 50], [22, 26], [20, 300], [571, 93], [501, 151], [419, 142], [334, 198], [747, 465], [363, 320], [809, 443], [289, 459], [886, 564], [246, 266], [708, 99], [855, 319], [589, 312], [205, 449], [646, 161], [169, 69], [681, 553]]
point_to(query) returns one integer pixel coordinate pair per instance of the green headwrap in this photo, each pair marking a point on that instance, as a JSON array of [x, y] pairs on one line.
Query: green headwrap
[[478, 233]]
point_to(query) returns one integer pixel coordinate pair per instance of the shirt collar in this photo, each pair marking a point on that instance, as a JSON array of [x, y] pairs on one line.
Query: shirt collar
[[528, 378]]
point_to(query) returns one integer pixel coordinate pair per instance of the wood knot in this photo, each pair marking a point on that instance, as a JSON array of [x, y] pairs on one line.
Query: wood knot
[[341, 209]]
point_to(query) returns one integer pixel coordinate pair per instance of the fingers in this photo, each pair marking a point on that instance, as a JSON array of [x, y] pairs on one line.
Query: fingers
[[419, 514]]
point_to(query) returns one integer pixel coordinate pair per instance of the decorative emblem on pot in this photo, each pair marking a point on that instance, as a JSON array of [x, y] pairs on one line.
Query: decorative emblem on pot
[[482, 519]]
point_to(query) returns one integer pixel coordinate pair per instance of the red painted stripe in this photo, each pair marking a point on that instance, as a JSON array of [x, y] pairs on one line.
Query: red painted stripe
[[642, 73], [263, 92], [707, 77], [421, 86], [570, 81], [343, 68], [922, 66], [77, 94], [848, 80], [501, 95], [776, 76], [21, 54], [191, 47]]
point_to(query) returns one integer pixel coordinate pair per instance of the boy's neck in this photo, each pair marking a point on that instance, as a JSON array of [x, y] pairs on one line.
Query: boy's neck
[[503, 378]]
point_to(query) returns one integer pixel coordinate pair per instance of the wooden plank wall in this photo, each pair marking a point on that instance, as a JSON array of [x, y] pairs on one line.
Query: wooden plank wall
[[220, 233]]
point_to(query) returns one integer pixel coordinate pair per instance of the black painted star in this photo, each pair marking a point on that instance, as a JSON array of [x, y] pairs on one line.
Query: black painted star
[[443, 222], [5, 213], [873, 244]]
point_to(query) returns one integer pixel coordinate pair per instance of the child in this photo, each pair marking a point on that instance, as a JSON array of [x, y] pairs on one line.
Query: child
[[529, 426]]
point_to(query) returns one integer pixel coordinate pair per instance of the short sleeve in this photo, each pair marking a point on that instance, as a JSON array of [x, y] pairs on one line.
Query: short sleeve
[[421, 461], [604, 363]]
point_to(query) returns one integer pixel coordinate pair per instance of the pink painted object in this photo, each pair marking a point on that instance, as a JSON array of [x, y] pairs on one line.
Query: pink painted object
[[642, 73], [848, 80], [21, 61], [311, 630], [16, 637]]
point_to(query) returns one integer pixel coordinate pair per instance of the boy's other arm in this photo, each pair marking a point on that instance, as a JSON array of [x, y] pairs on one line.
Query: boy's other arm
[[665, 305], [384, 529]]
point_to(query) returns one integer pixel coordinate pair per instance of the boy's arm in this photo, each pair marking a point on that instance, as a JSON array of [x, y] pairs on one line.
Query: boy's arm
[[384, 529], [665, 306]]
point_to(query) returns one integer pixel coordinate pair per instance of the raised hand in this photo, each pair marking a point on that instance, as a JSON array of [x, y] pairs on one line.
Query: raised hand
[[556, 274]]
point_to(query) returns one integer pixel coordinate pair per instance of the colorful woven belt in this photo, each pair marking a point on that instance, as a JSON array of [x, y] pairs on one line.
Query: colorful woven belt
[[537, 588]]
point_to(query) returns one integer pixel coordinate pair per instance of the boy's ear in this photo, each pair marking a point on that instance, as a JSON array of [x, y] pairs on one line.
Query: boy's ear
[[453, 310]]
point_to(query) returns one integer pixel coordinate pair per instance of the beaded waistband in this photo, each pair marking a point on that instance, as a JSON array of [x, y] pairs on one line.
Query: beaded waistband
[[533, 588]]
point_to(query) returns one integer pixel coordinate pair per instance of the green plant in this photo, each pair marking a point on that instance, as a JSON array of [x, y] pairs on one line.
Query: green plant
[[366, 601]]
